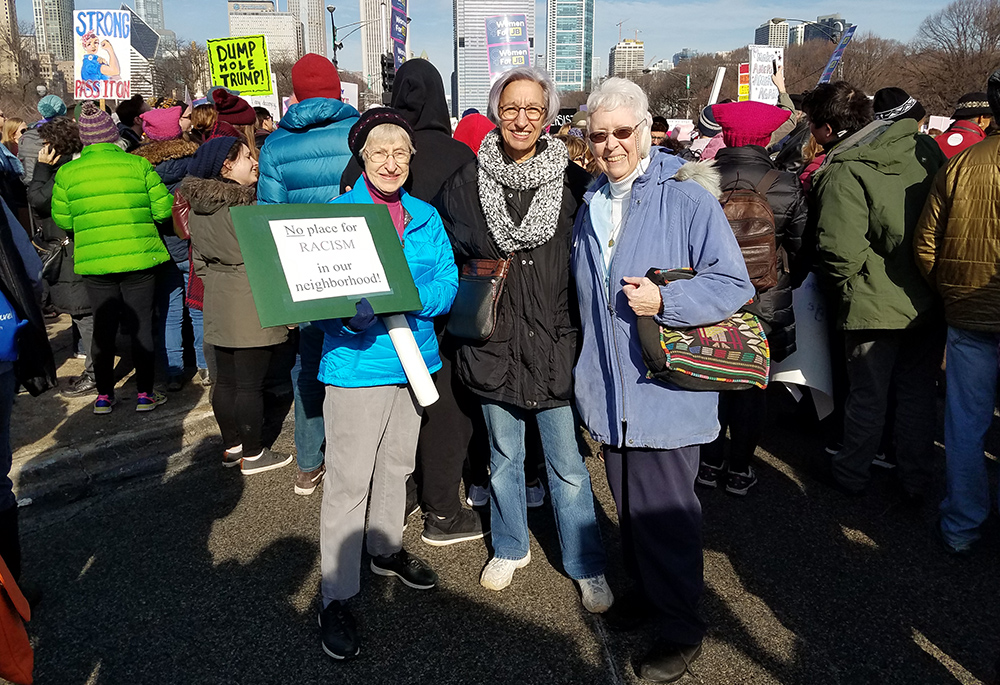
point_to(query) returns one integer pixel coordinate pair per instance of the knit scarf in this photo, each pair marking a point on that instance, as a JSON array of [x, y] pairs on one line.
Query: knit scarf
[[543, 171]]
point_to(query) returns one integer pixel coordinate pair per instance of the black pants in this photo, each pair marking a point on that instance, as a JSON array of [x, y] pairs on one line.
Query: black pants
[[743, 412], [238, 401], [125, 300], [660, 521]]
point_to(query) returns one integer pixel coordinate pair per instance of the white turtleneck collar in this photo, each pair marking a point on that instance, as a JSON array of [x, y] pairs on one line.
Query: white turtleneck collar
[[619, 189]]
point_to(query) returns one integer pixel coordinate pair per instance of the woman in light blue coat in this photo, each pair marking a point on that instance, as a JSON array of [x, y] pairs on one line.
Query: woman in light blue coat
[[372, 418], [643, 212]]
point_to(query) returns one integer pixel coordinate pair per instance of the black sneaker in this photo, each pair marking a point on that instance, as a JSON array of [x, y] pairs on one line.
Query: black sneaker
[[265, 461], [708, 475], [668, 662], [175, 383], [462, 527], [339, 631], [740, 483], [412, 571], [81, 387]]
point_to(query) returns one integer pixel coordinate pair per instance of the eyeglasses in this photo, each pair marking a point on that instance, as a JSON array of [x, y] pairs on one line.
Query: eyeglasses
[[621, 133], [533, 112], [402, 157], [22, 131]]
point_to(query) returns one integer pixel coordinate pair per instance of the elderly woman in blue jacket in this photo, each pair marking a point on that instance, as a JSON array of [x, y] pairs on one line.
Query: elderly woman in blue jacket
[[649, 210], [372, 419]]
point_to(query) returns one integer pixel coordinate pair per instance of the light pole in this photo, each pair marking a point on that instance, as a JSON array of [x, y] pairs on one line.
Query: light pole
[[834, 37], [333, 28]]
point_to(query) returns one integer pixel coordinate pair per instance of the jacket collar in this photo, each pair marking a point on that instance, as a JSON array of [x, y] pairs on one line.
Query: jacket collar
[[662, 167], [101, 147], [418, 210]]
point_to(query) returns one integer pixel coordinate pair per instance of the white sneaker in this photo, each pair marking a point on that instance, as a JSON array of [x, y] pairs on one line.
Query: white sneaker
[[596, 594], [498, 573], [534, 495], [478, 496]]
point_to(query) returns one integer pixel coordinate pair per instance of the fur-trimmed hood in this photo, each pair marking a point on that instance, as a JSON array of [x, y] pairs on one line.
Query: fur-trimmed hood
[[162, 150], [704, 174], [209, 195]]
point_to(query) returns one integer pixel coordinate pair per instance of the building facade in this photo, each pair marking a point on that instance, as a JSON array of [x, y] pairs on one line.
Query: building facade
[[9, 39], [627, 58], [472, 68], [797, 34], [151, 12], [283, 30], [569, 45], [374, 43], [684, 54], [54, 27], [312, 16], [773, 34], [828, 28]]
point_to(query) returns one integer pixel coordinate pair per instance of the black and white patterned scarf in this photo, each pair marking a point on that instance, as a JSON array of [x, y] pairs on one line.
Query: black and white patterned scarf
[[543, 171]]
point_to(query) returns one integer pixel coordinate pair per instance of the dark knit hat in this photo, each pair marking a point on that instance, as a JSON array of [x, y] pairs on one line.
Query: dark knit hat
[[128, 110], [314, 76], [972, 105], [660, 124], [749, 123], [708, 127], [366, 122], [993, 93], [96, 125], [207, 161], [894, 104], [234, 110]]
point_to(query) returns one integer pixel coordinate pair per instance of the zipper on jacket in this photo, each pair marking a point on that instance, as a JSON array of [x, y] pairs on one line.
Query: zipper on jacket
[[614, 334]]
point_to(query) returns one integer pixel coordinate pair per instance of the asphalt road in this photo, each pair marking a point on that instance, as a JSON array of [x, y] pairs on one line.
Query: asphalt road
[[203, 576]]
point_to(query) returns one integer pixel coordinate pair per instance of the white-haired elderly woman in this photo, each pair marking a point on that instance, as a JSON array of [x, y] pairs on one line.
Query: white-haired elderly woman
[[520, 201], [650, 209]]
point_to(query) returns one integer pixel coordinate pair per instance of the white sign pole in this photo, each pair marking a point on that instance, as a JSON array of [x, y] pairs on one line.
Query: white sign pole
[[411, 359], [720, 74]]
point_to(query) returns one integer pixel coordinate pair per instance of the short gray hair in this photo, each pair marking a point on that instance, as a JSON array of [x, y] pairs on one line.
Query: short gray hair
[[539, 76], [620, 92]]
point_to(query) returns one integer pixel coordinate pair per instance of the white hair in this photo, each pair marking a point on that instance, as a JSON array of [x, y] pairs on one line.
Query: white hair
[[539, 76], [387, 134], [620, 92]]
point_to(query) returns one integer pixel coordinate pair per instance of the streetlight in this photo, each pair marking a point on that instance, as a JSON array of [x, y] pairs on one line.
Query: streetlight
[[333, 28], [834, 37]]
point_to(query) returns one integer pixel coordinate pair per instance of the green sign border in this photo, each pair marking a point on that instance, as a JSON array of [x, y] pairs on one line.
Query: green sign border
[[267, 277]]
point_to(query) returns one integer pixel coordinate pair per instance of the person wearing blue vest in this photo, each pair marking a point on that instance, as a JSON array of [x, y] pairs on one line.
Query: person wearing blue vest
[[301, 162], [372, 416]]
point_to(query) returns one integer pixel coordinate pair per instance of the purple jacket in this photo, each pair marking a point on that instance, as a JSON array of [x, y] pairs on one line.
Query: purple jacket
[[671, 223]]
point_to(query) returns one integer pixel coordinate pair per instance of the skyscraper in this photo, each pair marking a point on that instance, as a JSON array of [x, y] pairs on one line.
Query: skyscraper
[[774, 34], [472, 68], [151, 12], [374, 42], [569, 46], [312, 15], [283, 30], [9, 38], [827, 28], [626, 58], [54, 27]]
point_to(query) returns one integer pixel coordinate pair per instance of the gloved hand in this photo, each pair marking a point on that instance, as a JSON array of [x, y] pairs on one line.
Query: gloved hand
[[363, 319]]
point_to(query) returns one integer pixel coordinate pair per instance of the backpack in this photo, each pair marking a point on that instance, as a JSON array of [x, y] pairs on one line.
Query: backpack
[[752, 221]]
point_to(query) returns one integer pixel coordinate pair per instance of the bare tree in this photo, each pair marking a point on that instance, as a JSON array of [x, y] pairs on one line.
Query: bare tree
[[18, 84], [182, 65]]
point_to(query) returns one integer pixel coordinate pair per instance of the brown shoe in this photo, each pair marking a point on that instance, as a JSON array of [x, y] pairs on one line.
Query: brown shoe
[[306, 481]]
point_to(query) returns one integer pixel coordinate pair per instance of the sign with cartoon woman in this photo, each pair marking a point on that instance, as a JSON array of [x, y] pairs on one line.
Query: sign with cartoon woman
[[102, 62]]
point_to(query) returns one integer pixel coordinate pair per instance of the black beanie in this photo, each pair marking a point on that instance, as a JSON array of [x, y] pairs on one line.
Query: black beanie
[[370, 119], [894, 104], [993, 93], [208, 159]]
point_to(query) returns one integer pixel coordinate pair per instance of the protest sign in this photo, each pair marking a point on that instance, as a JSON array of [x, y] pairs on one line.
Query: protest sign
[[507, 43], [241, 63], [762, 61], [102, 54], [313, 262], [809, 365], [744, 82], [837, 55]]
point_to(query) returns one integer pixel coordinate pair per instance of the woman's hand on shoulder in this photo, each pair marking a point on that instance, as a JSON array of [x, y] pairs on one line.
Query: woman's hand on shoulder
[[643, 296]]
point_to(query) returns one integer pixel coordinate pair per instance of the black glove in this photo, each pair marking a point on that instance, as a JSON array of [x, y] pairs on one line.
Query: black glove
[[364, 318]]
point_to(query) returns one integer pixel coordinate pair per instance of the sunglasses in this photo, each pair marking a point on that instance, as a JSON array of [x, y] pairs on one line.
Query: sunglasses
[[22, 131], [621, 133]]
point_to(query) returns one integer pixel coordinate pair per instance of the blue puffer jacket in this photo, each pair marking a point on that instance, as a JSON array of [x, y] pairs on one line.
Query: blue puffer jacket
[[302, 161], [671, 223], [360, 360]]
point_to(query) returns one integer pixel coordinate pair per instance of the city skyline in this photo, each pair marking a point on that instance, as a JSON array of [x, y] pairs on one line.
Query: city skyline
[[569, 44]]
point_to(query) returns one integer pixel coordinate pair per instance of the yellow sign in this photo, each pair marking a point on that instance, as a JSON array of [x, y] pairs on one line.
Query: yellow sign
[[241, 64]]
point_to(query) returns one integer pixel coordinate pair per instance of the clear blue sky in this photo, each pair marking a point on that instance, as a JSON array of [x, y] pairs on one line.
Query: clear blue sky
[[705, 26]]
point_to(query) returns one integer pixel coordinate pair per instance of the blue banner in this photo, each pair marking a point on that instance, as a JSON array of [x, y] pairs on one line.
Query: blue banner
[[837, 55], [397, 31]]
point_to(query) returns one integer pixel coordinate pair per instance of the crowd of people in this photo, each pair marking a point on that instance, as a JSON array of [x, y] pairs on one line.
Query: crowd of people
[[130, 213]]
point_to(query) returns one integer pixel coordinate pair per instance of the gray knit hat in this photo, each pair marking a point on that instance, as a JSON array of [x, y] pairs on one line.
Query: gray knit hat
[[96, 125], [708, 127]]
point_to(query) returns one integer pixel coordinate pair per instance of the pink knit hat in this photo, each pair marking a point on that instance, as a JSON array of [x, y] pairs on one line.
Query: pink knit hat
[[748, 123], [162, 124]]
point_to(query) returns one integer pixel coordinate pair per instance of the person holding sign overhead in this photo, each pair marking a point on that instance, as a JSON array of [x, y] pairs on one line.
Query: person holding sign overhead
[[222, 174], [371, 415]]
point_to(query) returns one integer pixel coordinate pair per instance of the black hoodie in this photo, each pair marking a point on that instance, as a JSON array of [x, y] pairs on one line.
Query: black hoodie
[[418, 94]]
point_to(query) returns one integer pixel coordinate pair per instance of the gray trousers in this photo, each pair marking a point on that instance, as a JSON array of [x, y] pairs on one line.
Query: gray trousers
[[907, 361], [85, 326], [371, 446]]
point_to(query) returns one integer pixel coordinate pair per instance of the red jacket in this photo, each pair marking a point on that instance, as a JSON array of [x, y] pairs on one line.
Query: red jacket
[[960, 135]]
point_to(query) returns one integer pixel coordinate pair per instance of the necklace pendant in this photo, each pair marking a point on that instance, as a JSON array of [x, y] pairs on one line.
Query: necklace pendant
[[611, 243]]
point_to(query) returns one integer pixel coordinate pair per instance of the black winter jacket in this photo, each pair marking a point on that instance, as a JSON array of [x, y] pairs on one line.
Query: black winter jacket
[[746, 166], [528, 362], [418, 95]]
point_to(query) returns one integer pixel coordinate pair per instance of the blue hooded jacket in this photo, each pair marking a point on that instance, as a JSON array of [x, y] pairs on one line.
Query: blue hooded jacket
[[302, 161], [670, 223], [367, 359]]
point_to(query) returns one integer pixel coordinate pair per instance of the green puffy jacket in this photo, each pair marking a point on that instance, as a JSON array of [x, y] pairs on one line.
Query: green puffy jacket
[[109, 199], [869, 195]]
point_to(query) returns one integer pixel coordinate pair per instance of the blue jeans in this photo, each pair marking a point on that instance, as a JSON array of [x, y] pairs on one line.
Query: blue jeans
[[309, 396], [8, 385], [968, 413], [171, 290], [569, 483]]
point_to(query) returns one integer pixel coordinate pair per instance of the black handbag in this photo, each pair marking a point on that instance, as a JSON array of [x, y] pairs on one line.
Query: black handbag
[[52, 262], [480, 285]]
